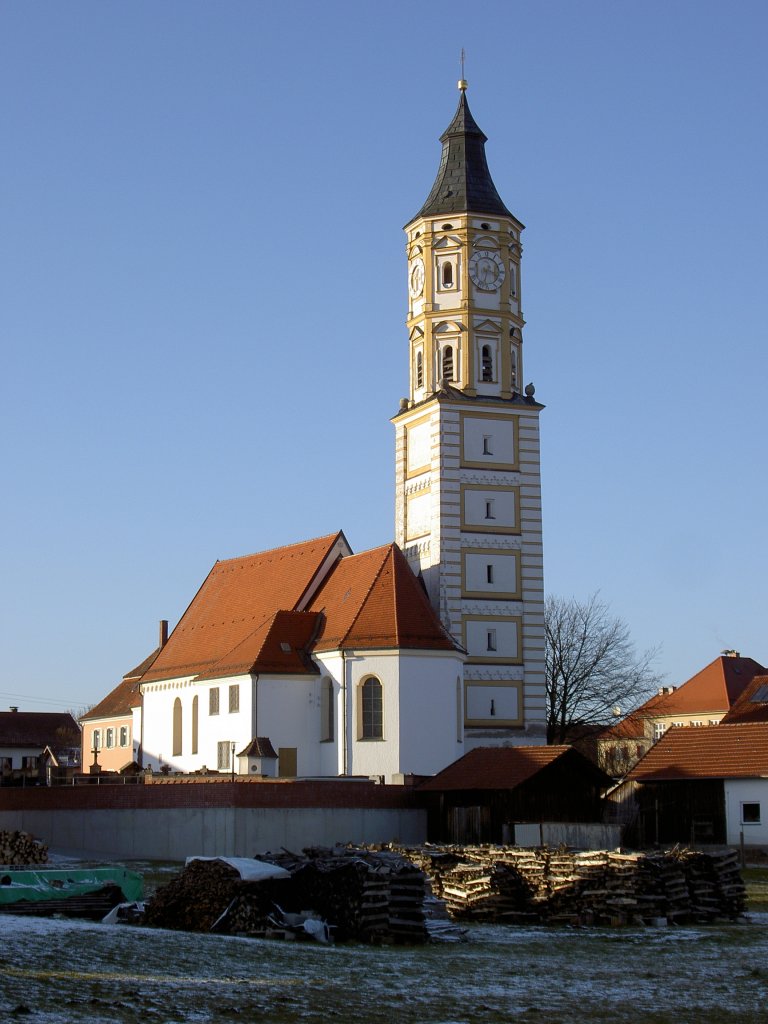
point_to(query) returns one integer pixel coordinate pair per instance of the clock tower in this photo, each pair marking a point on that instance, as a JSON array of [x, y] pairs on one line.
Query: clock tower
[[468, 492]]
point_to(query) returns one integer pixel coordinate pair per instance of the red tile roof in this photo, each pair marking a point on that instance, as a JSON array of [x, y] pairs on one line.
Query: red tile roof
[[711, 691], [708, 752], [374, 600], [501, 767], [237, 598], [269, 612], [118, 703], [56, 729], [752, 705]]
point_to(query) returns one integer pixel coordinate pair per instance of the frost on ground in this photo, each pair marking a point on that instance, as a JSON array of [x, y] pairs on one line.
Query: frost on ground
[[57, 971]]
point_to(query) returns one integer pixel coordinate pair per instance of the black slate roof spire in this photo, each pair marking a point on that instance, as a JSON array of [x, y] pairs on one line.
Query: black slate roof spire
[[463, 181]]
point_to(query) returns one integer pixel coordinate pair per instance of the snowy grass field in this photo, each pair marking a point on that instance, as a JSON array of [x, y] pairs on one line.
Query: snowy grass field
[[59, 971]]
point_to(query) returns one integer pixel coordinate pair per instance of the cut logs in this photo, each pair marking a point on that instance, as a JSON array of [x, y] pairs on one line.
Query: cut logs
[[20, 849], [508, 884], [375, 896]]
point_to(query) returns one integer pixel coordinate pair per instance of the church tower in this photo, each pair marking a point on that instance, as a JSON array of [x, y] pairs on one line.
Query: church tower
[[468, 491]]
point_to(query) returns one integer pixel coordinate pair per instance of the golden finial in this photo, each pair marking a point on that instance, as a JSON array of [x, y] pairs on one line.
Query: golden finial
[[462, 80]]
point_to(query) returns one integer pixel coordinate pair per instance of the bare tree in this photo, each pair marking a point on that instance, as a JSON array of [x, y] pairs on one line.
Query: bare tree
[[592, 666]]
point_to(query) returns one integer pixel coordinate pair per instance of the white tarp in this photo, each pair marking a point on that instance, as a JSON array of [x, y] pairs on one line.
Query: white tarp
[[249, 870]]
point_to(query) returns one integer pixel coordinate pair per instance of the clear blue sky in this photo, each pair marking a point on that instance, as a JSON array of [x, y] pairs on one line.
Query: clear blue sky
[[203, 293]]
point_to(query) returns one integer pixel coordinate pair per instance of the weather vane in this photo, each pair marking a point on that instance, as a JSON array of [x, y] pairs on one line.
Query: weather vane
[[462, 81]]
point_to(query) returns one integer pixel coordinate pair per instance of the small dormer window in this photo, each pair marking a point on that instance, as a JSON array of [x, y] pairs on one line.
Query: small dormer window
[[486, 360]]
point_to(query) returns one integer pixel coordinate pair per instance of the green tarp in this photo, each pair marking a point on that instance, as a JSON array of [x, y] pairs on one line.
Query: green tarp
[[52, 885]]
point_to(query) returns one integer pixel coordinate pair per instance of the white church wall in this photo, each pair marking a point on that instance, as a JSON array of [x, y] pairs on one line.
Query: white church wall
[[431, 711], [288, 712]]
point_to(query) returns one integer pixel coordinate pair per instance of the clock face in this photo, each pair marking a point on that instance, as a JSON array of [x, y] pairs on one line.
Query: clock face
[[486, 270], [416, 279]]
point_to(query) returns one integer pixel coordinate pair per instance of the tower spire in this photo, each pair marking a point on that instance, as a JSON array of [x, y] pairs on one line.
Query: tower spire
[[463, 181]]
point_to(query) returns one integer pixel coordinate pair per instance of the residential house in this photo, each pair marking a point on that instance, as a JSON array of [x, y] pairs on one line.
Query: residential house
[[31, 739], [703, 700]]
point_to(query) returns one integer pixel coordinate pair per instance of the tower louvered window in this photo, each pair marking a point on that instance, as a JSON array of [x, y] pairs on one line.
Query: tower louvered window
[[447, 275], [419, 369], [487, 363], [448, 362]]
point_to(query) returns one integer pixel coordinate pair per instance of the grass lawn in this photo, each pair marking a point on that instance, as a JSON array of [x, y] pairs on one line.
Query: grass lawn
[[756, 881]]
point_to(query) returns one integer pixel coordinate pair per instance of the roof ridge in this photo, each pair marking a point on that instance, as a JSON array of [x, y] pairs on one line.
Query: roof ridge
[[281, 547]]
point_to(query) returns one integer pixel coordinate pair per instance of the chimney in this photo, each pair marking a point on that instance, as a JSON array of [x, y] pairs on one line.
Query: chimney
[[14, 709], [163, 632], [730, 654]]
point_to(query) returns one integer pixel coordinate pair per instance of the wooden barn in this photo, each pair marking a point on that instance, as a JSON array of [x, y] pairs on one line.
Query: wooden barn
[[699, 786], [478, 798]]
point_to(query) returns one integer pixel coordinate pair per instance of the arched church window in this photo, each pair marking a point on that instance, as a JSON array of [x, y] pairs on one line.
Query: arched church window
[[176, 727], [448, 362], [419, 369], [371, 710], [447, 274], [486, 360]]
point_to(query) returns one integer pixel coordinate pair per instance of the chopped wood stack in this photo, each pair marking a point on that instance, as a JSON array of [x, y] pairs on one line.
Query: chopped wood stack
[[19, 849], [364, 895], [507, 884]]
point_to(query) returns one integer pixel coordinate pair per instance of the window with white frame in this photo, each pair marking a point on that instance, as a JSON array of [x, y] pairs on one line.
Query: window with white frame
[[96, 739], [659, 728], [110, 738], [125, 736]]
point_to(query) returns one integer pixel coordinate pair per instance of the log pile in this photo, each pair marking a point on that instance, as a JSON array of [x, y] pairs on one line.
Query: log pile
[[510, 885], [364, 895], [19, 849]]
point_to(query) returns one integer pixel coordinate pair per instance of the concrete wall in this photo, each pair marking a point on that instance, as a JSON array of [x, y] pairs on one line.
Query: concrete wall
[[169, 819], [175, 833]]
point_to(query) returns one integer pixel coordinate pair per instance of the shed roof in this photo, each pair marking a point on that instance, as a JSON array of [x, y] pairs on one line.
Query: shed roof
[[505, 767], [707, 752]]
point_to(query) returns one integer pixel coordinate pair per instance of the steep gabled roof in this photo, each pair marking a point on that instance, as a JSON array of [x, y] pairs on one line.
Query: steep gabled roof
[[56, 729], [716, 752], [237, 598], [373, 600], [752, 705], [506, 768], [118, 703]]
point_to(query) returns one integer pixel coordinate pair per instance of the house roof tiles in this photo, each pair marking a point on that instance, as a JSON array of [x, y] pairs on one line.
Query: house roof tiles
[[118, 703], [500, 767], [267, 613], [709, 752], [711, 691], [752, 705]]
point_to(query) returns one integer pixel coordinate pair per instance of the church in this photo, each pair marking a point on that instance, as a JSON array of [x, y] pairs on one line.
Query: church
[[312, 661]]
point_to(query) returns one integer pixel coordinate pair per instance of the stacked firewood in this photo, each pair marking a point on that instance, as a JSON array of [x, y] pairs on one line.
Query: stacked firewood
[[19, 848], [504, 884], [364, 895]]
